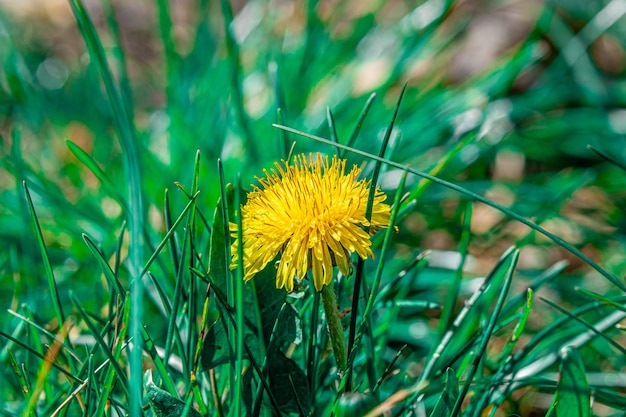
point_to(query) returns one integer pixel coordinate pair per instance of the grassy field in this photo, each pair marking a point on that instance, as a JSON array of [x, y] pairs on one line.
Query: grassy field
[[132, 132]]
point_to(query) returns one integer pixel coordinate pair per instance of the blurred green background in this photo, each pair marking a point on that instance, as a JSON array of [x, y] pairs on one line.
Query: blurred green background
[[503, 98], [517, 89]]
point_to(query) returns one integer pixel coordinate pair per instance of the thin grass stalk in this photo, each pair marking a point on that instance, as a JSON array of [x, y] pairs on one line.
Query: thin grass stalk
[[159, 364], [168, 235], [589, 327], [504, 356], [330, 119], [54, 291], [282, 135], [178, 295], [446, 318], [358, 276], [192, 291], [378, 277], [228, 314], [432, 361], [478, 357], [359, 124], [167, 215], [238, 388]]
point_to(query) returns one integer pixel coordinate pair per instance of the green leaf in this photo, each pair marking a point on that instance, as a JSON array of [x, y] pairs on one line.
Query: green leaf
[[164, 404], [572, 392], [289, 384], [448, 397], [215, 349]]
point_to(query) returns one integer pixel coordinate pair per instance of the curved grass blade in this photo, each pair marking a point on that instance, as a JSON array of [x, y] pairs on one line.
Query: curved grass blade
[[26, 320], [330, 119], [105, 347], [606, 157], [167, 215], [587, 325], [168, 235], [95, 169], [556, 239], [104, 265], [358, 126], [480, 352], [505, 355], [572, 392], [453, 291], [377, 279], [52, 285], [40, 355], [447, 337], [358, 276], [517, 377], [601, 298], [239, 318]]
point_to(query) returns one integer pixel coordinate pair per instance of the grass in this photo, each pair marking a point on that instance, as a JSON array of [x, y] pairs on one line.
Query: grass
[[496, 130]]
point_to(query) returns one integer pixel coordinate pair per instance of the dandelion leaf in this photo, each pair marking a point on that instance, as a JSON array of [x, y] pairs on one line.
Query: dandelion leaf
[[215, 350], [289, 384], [164, 404]]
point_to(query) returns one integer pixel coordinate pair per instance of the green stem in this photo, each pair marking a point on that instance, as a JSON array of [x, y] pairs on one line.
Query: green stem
[[335, 329]]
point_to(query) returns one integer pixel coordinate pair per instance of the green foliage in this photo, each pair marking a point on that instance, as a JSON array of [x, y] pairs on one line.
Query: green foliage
[[128, 129]]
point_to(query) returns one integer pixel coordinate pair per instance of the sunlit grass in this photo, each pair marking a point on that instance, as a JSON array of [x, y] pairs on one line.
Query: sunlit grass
[[131, 134]]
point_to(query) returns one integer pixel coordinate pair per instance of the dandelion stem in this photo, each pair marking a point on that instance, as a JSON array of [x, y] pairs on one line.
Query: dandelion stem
[[335, 329]]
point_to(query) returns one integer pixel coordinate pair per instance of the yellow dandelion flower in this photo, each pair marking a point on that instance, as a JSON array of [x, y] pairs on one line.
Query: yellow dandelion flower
[[312, 212]]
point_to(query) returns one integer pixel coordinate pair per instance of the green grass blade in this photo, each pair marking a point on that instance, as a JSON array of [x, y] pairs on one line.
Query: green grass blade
[[480, 352], [358, 276], [39, 355], [174, 315], [330, 119], [378, 277], [159, 364], [358, 126], [590, 327], [429, 367], [239, 317], [126, 132], [572, 391], [104, 265], [168, 235], [453, 291], [95, 331], [95, 169], [607, 157], [167, 215], [449, 396], [52, 285], [601, 298]]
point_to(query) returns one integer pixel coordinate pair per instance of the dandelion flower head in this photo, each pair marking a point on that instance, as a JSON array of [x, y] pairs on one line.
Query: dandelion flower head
[[311, 212]]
